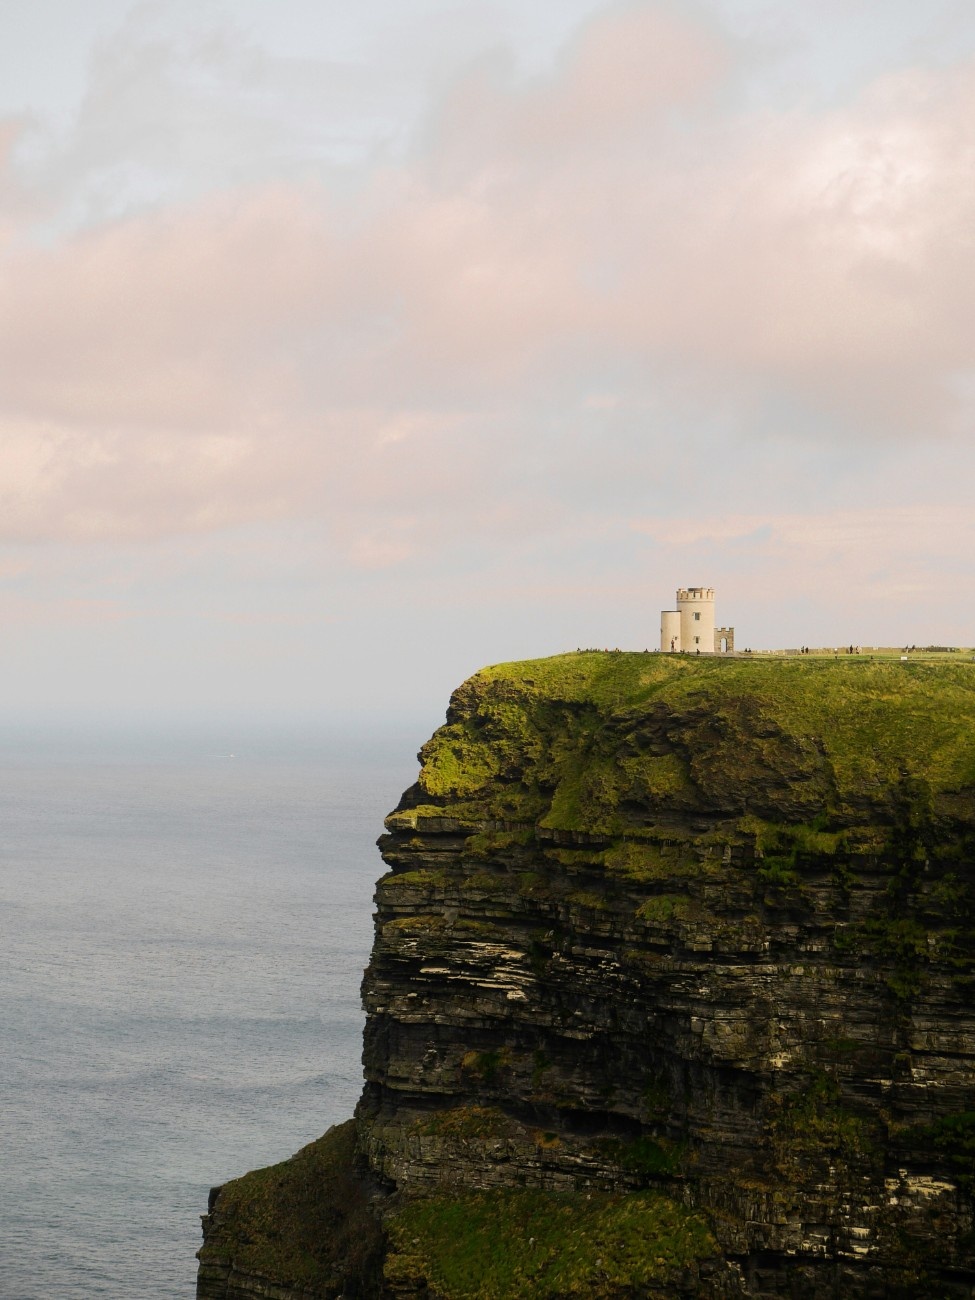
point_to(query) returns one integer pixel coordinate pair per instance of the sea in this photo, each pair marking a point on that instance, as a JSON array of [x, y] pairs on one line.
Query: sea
[[185, 915]]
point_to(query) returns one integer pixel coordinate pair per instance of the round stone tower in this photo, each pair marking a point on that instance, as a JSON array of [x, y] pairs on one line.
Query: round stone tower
[[670, 630], [696, 608]]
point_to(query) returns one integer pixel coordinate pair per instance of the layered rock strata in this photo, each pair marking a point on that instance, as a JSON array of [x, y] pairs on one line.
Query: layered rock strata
[[685, 951]]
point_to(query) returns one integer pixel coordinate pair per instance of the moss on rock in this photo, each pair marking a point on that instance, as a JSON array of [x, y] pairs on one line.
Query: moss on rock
[[657, 927], [594, 741], [304, 1227], [535, 1245]]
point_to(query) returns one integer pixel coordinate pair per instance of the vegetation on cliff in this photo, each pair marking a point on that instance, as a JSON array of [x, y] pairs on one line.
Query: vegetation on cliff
[[610, 742], [529, 1245], [303, 1227], [679, 952]]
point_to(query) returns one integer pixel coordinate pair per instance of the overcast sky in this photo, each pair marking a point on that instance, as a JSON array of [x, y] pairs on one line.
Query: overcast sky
[[346, 348]]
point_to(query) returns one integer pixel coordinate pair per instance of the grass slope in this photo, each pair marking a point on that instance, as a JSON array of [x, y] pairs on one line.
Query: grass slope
[[304, 1224], [531, 1245], [577, 740]]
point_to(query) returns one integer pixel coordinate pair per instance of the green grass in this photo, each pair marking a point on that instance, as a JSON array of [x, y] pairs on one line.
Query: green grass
[[487, 1066], [422, 878], [954, 1137], [416, 923], [643, 862], [600, 741], [530, 1245], [647, 1156], [665, 908], [814, 1128], [305, 1223], [473, 1122]]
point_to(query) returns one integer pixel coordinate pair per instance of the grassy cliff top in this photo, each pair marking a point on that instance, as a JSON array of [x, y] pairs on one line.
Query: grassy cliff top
[[611, 741]]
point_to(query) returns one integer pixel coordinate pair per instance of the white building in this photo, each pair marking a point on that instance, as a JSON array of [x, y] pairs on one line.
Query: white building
[[690, 627]]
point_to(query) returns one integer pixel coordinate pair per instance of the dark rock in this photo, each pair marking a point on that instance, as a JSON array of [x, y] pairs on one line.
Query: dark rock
[[701, 949]]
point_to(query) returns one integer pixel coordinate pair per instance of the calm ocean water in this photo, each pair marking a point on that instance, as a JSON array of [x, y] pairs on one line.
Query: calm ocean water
[[183, 937]]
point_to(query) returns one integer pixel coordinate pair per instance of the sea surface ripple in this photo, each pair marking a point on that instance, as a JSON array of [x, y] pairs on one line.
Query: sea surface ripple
[[185, 920]]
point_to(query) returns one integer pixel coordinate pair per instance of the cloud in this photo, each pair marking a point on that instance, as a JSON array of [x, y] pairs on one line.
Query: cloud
[[894, 533], [392, 351], [625, 72], [181, 99], [884, 574]]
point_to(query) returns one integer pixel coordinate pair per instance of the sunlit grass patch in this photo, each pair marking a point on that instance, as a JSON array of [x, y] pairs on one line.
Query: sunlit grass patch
[[528, 1245], [601, 741]]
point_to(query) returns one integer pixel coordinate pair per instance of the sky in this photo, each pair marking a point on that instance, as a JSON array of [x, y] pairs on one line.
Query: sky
[[346, 349]]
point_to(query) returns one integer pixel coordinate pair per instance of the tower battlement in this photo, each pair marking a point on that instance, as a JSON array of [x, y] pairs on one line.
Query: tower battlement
[[690, 627]]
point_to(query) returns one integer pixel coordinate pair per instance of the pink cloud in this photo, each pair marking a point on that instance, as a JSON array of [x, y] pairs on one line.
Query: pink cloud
[[281, 349], [887, 572], [897, 532]]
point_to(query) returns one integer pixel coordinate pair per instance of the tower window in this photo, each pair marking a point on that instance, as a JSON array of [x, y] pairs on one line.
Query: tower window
[[697, 617]]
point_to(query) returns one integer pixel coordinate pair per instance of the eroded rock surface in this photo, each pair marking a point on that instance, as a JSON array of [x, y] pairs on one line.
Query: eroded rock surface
[[684, 951]]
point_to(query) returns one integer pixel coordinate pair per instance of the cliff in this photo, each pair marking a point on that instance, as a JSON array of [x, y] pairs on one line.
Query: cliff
[[671, 994]]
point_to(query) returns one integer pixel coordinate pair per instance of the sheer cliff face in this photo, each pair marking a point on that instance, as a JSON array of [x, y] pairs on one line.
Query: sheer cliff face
[[699, 933]]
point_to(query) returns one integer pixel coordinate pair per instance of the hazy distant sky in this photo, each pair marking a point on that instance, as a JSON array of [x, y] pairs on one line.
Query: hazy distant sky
[[345, 348]]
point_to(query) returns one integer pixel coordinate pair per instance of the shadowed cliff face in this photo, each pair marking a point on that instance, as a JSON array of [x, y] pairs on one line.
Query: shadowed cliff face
[[682, 952]]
